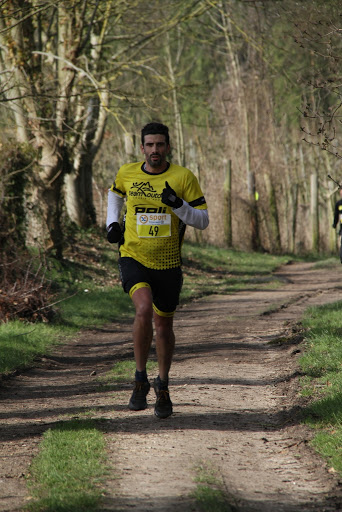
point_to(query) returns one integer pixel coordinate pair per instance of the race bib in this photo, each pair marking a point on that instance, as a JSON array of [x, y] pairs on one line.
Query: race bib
[[153, 225]]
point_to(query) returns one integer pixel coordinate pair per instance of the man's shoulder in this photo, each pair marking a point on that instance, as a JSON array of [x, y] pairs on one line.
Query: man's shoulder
[[132, 166], [179, 169]]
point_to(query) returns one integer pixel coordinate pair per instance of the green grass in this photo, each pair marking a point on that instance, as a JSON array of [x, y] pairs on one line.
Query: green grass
[[322, 365], [323, 357], [95, 307], [67, 474], [208, 270], [87, 294], [123, 371], [21, 343], [209, 493]]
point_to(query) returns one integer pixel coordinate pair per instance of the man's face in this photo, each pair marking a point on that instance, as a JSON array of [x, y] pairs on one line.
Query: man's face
[[155, 150]]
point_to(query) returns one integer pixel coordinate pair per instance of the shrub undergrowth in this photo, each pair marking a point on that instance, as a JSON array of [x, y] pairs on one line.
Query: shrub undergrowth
[[322, 365]]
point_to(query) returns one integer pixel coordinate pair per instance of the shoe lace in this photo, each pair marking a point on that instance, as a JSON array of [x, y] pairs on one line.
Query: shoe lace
[[163, 396], [139, 390]]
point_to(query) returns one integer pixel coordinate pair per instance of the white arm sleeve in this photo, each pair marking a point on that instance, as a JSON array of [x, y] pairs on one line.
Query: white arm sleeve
[[192, 216], [114, 206]]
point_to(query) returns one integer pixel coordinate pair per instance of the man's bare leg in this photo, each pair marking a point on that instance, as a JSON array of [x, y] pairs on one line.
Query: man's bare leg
[[165, 343], [142, 326], [142, 339]]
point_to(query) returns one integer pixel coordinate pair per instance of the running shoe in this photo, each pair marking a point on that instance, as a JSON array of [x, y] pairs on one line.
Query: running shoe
[[138, 400], [163, 407]]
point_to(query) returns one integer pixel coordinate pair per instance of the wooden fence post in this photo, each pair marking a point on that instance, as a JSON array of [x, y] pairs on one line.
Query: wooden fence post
[[227, 202], [314, 211], [252, 198]]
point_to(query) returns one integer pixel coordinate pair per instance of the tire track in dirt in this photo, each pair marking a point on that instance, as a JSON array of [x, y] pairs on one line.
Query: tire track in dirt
[[235, 406]]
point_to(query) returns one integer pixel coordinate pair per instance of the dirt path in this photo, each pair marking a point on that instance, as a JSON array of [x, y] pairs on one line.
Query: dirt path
[[235, 407]]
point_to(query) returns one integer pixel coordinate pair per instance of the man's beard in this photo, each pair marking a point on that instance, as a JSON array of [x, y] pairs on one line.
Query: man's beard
[[154, 163]]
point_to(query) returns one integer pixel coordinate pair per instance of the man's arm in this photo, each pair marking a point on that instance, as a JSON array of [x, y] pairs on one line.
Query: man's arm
[[336, 215], [198, 219], [114, 207], [188, 214]]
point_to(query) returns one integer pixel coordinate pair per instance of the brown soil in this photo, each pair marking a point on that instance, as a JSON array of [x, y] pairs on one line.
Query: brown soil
[[236, 407]]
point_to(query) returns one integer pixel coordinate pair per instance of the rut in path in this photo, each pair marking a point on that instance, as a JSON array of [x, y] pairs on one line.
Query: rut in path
[[235, 399]]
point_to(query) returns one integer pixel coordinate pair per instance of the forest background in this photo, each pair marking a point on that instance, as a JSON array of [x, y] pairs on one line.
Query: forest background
[[250, 90]]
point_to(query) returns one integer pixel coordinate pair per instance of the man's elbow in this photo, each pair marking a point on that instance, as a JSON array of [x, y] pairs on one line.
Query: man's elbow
[[205, 220]]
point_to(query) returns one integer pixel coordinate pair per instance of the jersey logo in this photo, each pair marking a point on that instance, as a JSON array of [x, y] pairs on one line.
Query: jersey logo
[[143, 219], [143, 189], [150, 209]]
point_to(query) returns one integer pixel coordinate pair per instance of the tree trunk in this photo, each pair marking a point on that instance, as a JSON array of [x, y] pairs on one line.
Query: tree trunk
[[43, 202], [233, 72], [79, 196], [78, 183], [175, 104]]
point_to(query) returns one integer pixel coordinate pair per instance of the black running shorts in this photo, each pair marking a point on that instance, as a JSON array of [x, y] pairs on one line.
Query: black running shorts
[[165, 284]]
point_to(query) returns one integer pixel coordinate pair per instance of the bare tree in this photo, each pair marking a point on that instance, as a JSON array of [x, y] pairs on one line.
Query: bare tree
[[41, 44], [61, 69], [319, 39]]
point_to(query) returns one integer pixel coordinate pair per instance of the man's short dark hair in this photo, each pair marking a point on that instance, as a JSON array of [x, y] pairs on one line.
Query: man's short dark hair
[[155, 129]]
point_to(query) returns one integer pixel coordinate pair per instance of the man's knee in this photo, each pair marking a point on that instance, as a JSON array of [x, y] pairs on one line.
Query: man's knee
[[144, 311], [163, 325], [142, 300]]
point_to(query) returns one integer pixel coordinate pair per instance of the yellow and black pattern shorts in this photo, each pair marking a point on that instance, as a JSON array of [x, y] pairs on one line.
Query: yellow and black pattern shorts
[[165, 284]]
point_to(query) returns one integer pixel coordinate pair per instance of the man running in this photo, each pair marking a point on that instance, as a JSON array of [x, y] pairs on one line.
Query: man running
[[161, 199], [338, 220]]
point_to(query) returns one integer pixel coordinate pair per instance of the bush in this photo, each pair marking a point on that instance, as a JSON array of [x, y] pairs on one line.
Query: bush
[[24, 291], [16, 161]]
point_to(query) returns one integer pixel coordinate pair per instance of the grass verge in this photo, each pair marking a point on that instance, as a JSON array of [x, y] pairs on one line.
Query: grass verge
[[67, 474], [21, 343], [322, 365], [208, 270], [209, 493]]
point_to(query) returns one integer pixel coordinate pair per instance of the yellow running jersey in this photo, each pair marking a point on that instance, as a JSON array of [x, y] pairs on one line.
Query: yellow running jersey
[[153, 234]]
